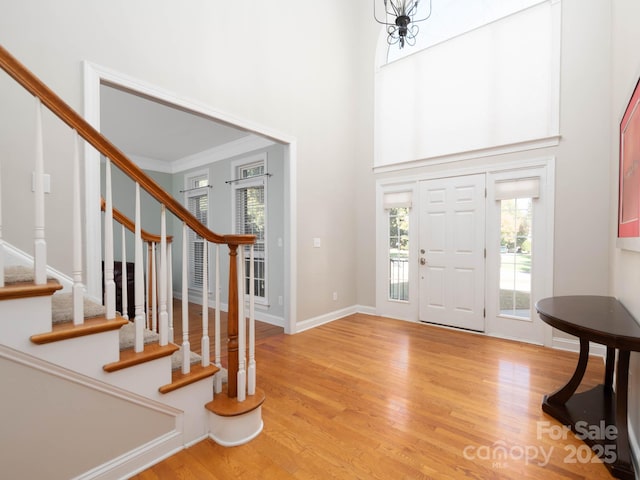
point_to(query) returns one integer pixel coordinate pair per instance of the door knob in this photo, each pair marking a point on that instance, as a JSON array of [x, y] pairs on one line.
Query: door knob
[[423, 261]]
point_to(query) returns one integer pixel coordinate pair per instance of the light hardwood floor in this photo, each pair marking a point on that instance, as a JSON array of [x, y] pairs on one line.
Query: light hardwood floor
[[367, 397]]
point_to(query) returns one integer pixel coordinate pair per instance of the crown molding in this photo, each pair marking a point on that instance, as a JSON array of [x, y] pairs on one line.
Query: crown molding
[[228, 150], [242, 146]]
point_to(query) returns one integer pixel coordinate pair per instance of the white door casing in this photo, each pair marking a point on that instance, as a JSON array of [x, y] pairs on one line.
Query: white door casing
[[452, 251]]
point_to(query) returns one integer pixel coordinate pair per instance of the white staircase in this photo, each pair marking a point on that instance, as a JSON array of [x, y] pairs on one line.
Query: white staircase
[[71, 377], [92, 353]]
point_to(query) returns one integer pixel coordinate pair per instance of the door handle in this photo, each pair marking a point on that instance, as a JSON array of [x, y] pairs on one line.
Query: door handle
[[423, 261]]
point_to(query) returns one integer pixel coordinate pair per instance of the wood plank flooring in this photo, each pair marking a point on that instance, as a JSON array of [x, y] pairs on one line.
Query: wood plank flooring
[[367, 397]]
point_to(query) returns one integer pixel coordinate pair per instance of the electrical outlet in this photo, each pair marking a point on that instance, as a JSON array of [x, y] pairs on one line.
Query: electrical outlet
[[280, 300], [335, 295]]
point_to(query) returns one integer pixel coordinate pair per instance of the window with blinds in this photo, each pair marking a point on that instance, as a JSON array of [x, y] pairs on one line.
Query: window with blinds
[[197, 200], [250, 209]]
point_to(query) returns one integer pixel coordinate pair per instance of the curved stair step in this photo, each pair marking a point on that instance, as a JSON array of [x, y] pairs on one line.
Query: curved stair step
[[179, 379], [225, 406]]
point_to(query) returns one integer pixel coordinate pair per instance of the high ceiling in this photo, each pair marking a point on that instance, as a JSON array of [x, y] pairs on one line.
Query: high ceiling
[[154, 131]]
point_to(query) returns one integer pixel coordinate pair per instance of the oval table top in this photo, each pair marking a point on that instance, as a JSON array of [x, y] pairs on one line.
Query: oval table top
[[599, 319]]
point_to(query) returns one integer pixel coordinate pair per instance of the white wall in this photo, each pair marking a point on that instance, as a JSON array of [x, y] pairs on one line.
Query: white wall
[[625, 264], [581, 246], [58, 428], [492, 86], [292, 66]]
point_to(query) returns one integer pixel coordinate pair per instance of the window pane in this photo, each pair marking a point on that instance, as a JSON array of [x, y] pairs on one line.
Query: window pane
[[399, 254], [251, 171], [516, 217], [198, 206], [250, 215]]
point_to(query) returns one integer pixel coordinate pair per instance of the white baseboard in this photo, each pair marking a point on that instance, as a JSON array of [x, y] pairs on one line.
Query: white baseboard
[[261, 315], [573, 345], [366, 310], [331, 316], [137, 460]]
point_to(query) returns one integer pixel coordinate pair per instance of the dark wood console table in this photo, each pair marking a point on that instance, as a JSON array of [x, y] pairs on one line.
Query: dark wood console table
[[606, 321]]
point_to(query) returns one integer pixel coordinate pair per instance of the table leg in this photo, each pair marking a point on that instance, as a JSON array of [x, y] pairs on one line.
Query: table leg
[[561, 396], [610, 367], [622, 384]]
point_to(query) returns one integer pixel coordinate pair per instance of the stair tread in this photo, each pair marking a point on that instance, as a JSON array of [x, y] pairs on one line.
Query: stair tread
[[67, 330], [129, 358], [225, 406], [28, 289], [179, 379]]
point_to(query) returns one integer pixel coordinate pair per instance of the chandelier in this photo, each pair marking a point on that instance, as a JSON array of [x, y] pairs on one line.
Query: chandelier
[[403, 29]]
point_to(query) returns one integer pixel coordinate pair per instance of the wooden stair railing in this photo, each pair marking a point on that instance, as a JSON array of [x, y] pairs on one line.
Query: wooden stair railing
[[45, 96]]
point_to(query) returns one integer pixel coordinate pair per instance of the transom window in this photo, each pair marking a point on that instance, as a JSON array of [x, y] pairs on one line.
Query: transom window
[[451, 18]]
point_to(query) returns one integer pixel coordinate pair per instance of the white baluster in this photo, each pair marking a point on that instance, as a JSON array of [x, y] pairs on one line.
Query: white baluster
[[147, 280], [153, 269], [39, 242], [170, 291], [164, 316], [205, 353], [124, 287], [216, 333], [78, 287], [139, 278], [109, 283], [251, 371], [186, 356], [1, 239], [242, 330]]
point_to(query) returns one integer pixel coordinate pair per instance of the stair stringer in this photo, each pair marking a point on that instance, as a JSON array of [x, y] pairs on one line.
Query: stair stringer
[[41, 415]]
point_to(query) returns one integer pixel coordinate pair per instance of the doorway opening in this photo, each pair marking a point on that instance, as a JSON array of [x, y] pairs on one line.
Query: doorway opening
[[95, 77]]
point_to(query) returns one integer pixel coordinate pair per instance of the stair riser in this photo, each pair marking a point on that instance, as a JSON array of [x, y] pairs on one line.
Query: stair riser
[[23, 317], [190, 399], [85, 355], [143, 379]]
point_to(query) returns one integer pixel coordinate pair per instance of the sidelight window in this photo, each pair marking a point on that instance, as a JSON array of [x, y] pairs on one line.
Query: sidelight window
[[516, 219]]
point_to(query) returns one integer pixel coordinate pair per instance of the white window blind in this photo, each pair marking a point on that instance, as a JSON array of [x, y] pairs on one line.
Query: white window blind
[[517, 188], [397, 200]]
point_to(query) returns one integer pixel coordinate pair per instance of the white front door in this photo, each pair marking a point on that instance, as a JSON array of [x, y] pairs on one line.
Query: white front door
[[452, 251]]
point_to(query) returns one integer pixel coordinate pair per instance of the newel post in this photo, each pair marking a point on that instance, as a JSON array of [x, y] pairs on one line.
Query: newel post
[[232, 323]]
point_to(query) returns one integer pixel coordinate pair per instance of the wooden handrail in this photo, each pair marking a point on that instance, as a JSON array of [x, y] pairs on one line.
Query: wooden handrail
[[53, 102], [122, 219], [58, 107]]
